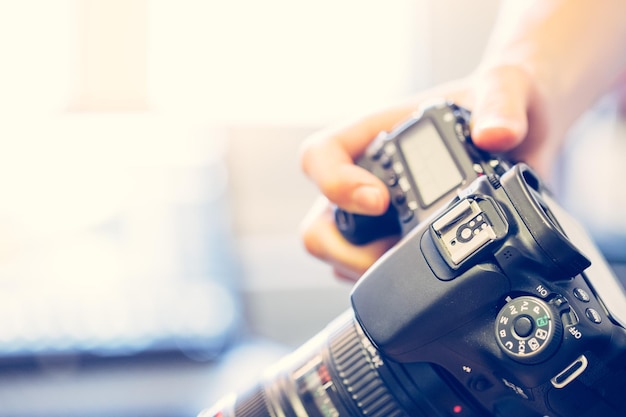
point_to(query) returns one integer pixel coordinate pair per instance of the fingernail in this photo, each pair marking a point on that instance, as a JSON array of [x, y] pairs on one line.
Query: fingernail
[[493, 122], [497, 133], [369, 198]]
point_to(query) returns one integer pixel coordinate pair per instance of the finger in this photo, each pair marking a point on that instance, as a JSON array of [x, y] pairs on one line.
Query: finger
[[346, 274], [322, 239], [328, 159], [349, 186], [500, 111]]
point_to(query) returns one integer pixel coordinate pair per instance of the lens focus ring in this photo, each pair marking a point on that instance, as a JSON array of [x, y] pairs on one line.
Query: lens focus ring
[[252, 404], [356, 362]]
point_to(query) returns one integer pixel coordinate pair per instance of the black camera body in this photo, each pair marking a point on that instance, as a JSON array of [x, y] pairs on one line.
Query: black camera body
[[495, 302], [498, 291], [423, 162]]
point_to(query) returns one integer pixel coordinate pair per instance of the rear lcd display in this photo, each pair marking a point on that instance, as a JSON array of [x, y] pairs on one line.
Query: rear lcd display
[[434, 171]]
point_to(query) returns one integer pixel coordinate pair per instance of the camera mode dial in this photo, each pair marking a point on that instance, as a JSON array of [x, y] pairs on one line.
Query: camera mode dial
[[527, 330]]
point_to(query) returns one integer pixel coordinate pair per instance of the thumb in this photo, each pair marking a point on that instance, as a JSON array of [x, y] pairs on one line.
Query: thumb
[[500, 112]]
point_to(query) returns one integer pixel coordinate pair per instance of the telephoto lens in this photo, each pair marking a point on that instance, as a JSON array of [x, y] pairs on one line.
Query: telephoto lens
[[340, 373]]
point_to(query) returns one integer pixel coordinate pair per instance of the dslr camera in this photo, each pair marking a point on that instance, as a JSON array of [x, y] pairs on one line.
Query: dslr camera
[[495, 302], [424, 162]]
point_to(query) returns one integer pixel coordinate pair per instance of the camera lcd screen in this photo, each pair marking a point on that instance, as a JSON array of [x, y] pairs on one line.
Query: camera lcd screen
[[431, 164]]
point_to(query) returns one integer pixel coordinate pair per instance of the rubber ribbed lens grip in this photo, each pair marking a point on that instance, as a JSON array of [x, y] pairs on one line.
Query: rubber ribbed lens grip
[[252, 404], [356, 367]]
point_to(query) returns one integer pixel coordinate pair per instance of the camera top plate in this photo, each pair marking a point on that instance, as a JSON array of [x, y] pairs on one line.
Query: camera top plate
[[423, 162]]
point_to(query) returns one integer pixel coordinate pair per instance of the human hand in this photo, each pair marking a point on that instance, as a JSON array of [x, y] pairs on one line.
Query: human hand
[[507, 115]]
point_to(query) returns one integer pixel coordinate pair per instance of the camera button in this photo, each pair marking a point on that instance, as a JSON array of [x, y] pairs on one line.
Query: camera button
[[582, 295], [407, 216], [478, 169], [399, 198], [385, 161], [593, 316], [523, 326], [480, 384], [377, 147], [392, 179]]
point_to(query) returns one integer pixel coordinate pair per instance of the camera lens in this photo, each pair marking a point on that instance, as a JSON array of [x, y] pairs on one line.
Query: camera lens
[[340, 373]]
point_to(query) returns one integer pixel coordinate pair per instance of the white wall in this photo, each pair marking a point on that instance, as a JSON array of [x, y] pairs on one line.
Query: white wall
[[161, 82]]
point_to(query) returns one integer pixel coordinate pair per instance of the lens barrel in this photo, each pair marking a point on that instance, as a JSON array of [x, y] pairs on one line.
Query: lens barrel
[[356, 362], [340, 373]]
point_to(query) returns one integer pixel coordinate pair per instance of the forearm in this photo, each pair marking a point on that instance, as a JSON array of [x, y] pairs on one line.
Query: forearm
[[574, 50]]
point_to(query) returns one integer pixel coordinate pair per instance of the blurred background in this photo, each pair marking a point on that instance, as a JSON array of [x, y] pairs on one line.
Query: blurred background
[[150, 188]]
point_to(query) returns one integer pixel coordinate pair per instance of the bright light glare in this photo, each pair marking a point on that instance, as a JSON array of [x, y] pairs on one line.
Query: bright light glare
[[280, 61]]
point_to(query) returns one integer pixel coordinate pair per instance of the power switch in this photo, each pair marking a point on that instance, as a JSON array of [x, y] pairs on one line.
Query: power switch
[[569, 318]]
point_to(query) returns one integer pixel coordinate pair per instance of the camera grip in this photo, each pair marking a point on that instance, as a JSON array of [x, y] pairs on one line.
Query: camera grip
[[360, 229]]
